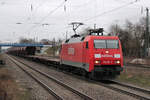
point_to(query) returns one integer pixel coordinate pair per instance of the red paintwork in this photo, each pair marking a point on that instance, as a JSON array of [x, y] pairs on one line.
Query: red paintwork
[[83, 55]]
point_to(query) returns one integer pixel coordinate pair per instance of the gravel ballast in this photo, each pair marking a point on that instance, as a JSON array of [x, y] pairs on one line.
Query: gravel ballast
[[37, 92], [96, 91]]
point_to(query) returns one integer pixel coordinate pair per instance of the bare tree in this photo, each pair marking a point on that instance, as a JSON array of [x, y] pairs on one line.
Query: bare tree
[[24, 40], [131, 37], [45, 41]]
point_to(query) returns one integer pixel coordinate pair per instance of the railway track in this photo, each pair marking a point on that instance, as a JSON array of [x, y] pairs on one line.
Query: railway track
[[43, 79], [132, 87], [136, 92], [133, 91], [138, 65]]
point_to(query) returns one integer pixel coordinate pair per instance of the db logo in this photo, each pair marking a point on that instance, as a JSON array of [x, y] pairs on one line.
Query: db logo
[[71, 51], [107, 55]]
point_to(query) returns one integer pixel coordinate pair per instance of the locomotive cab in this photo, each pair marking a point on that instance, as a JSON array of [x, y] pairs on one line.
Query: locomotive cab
[[105, 55]]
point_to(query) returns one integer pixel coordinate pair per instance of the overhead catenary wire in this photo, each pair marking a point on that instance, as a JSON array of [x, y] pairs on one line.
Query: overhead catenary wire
[[86, 20], [123, 1], [34, 11], [110, 11], [51, 12], [84, 4]]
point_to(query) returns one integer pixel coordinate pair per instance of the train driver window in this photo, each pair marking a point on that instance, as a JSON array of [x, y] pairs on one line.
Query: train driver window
[[87, 45]]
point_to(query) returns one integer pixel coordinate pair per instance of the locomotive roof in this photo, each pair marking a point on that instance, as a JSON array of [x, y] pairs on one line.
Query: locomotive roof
[[80, 39], [103, 37]]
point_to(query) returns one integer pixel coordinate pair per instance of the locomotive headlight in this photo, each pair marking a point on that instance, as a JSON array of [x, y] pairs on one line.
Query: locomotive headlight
[[116, 55], [97, 62], [117, 62], [97, 55]]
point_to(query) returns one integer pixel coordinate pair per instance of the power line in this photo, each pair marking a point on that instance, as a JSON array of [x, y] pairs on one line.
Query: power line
[[112, 10], [36, 8], [51, 12], [84, 4], [123, 1]]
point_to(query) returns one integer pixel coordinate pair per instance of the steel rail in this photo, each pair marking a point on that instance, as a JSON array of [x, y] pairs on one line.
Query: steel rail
[[132, 87], [138, 65], [125, 92], [37, 80], [110, 87], [83, 95]]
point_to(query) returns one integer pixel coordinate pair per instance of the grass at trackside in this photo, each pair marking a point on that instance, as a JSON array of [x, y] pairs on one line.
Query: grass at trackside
[[10, 87], [135, 76], [138, 79]]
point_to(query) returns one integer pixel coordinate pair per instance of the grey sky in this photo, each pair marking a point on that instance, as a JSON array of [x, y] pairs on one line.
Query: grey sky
[[19, 11]]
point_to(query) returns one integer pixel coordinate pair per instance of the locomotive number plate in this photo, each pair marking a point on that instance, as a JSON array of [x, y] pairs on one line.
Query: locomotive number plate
[[107, 62]]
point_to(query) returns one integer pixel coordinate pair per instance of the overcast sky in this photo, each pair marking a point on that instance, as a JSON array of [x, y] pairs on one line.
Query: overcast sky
[[49, 19]]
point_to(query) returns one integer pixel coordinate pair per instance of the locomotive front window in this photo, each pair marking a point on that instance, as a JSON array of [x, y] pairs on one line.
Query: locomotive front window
[[111, 44], [99, 43]]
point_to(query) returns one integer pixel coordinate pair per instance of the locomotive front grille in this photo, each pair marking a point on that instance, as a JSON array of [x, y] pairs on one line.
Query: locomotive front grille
[[104, 68]]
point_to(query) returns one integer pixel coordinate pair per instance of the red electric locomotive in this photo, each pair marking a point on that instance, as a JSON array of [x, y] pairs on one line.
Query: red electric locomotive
[[95, 55]]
